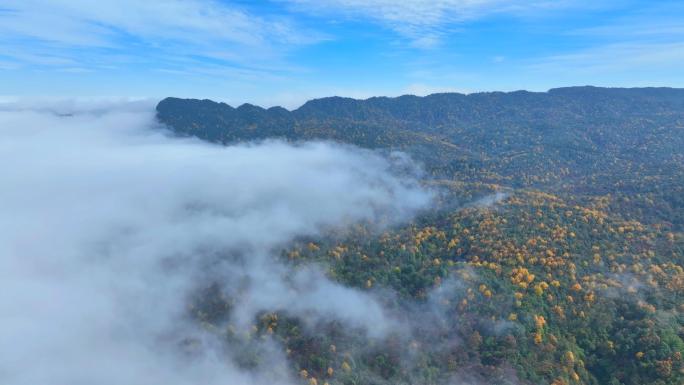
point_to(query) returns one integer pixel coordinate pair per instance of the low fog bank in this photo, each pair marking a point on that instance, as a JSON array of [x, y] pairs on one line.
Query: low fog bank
[[109, 223]]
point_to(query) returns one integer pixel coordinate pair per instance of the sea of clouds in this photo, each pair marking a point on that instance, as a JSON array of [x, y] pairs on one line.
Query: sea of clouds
[[109, 223]]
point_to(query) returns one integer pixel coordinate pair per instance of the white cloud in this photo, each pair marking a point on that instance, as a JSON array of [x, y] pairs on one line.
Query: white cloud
[[625, 57], [109, 224], [656, 20], [171, 29], [634, 45], [424, 22], [65, 21]]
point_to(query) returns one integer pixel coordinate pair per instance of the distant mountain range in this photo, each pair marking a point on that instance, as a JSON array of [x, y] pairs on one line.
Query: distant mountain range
[[579, 139], [448, 115]]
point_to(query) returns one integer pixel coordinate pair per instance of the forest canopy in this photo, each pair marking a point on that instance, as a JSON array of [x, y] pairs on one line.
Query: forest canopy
[[554, 253]]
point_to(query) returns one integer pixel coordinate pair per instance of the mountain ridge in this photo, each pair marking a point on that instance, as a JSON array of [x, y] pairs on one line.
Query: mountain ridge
[[582, 139], [493, 124], [580, 261], [555, 90]]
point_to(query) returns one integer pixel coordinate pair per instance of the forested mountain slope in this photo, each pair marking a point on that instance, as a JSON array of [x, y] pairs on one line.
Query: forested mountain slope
[[573, 274], [588, 139]]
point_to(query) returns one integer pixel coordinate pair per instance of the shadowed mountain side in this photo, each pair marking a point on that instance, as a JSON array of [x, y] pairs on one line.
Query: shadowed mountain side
[[587, 140]]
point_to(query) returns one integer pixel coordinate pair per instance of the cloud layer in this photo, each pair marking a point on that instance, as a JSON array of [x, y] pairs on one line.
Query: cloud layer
[[109, 224], [181, 34], [426, 21]]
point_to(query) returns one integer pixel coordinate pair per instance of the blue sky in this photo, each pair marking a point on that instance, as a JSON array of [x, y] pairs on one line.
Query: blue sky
[[283, 52]]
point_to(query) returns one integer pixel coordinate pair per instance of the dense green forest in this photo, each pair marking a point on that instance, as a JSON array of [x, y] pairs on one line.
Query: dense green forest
[[554, 253]]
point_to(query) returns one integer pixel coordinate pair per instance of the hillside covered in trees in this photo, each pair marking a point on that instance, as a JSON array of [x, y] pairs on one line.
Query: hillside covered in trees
[[554, 253]]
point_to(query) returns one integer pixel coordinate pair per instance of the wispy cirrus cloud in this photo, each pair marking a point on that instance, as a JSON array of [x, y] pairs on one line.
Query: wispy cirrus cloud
[[625, 64], [651, 39], [64, 30], [613, 57], [425, 22], [285, 51], [660, 21]]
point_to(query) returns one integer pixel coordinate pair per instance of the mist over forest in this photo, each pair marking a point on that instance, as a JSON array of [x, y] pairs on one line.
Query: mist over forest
[[114, 226], [341, 192], [197, 243]]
